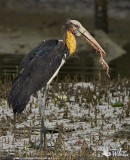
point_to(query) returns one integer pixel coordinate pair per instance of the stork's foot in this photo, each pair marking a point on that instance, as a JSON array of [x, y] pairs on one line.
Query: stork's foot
[[41, 147], [37, 147]]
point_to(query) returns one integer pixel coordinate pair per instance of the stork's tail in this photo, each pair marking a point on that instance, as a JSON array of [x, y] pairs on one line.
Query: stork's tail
[[17, 100]]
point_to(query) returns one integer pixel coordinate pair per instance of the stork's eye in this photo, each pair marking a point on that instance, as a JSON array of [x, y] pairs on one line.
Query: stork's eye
[[76, 26], [73, 30]]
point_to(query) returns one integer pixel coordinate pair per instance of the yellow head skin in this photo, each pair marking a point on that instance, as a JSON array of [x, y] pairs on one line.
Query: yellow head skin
[[70, 42]]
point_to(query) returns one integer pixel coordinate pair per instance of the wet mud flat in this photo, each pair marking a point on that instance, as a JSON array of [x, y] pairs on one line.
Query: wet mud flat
[[84, 120]]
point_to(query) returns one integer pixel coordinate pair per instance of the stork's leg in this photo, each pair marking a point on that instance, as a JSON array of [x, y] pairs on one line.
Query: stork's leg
[[42, 103]]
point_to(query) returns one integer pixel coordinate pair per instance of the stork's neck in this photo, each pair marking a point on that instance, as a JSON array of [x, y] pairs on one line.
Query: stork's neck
[[70, 42]]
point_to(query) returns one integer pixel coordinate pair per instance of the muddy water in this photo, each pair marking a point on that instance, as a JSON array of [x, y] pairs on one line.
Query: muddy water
[[81, 66]]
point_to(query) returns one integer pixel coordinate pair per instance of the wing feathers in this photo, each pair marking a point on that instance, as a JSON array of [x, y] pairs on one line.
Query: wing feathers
[[35, 72]]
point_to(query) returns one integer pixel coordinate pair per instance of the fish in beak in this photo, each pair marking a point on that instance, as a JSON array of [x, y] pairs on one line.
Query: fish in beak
[[78, 30]]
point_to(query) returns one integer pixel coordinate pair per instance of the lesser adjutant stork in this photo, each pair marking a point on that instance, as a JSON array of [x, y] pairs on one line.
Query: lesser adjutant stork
[[41, 65]]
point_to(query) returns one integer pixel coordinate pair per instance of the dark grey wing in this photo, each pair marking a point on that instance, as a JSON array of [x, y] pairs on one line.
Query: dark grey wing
[[43, 48], [36, 74]]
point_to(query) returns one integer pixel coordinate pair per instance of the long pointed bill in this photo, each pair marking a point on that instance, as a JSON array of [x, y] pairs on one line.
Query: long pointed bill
[[92, 42]]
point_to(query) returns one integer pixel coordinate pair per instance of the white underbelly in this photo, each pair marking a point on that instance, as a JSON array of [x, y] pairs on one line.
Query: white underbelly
[[62, 62]]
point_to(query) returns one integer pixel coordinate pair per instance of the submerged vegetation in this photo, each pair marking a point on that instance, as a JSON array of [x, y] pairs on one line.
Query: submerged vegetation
[[84, 121]]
